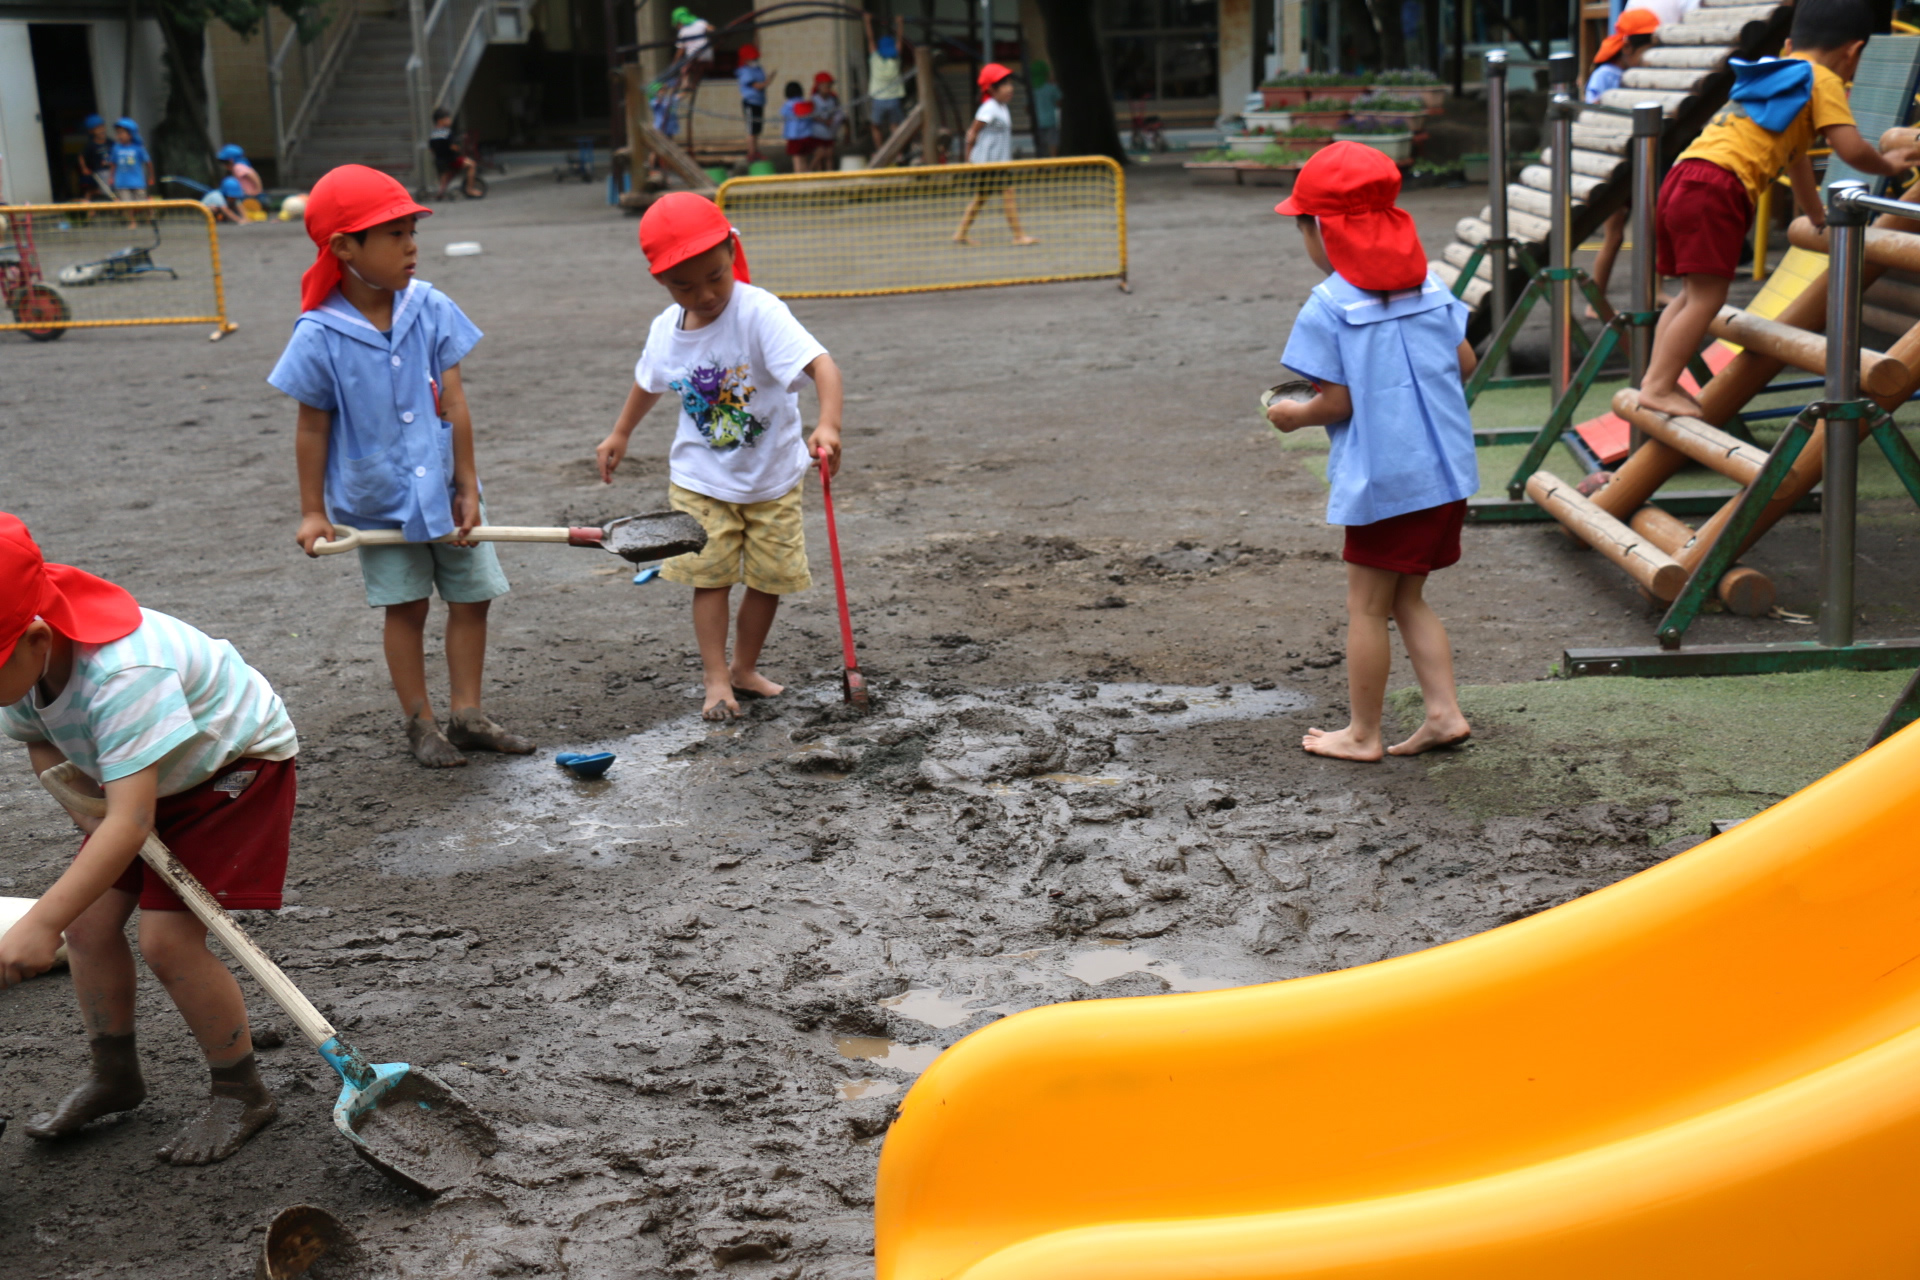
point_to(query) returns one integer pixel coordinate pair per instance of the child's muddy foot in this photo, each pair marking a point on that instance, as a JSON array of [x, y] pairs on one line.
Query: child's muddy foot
[[475, 731], [113, 1085], [1677, 404], [430, 746], [1025, 240], [239, 1108], [1342, 744], [754, 685], [1433, 735], [721, 705]]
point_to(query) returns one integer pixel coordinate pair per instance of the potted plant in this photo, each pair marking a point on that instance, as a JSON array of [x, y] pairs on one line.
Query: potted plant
[[1306, 137], [1219, 165], [1393, 142], [1347, 88], [1406, 113], [1267, 121], [1273, 167], [1320, 112], [1419, 84]]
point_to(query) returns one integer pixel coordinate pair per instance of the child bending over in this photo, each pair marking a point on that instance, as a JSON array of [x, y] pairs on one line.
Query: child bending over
[[1778, 107], [736, 359], [1386, 343], [189, 743]]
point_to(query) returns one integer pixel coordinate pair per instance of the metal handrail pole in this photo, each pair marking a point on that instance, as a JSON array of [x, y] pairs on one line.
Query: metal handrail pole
[[1846, 232], [1497, 256], [1561, 110], [416, 96], [1646, 276]]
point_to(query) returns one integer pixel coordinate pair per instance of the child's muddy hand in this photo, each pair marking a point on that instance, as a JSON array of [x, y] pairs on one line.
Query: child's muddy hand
[[26, 950], [608, 457], [826, 438], [313, 528], [1280, 414], [466, 514]]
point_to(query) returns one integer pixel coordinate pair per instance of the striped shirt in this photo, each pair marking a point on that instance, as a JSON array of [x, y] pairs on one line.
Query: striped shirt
[[168, 694]]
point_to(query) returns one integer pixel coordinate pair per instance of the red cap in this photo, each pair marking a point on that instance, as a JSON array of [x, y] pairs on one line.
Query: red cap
[[350, 198], [682, 225], [76, 604], [822, 77], [1634, 22], [990, 75], [749, 53], [1350, 188]]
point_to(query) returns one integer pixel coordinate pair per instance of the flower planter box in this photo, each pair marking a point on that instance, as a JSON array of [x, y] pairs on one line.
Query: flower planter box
[[1280, 97], [1432, 96], [1477, 167], [1320, 119], [1261, 175], [1397, 147], [1214, 172], [1408, 120], [1252, 144], [1268, 121]]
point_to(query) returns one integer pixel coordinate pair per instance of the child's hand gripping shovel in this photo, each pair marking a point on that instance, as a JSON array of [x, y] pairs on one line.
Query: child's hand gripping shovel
[[402, 1120], [853, 685], [653, 536]]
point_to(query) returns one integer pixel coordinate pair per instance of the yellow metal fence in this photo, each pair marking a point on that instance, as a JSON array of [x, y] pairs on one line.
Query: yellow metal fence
[[94, 266], [876, 231]]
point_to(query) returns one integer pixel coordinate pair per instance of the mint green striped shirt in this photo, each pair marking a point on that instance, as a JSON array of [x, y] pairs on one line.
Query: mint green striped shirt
[[167, 695]]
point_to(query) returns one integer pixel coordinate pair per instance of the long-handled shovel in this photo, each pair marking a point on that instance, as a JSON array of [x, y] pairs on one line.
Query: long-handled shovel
[[653, 536], [853, 685], [404, 1121]]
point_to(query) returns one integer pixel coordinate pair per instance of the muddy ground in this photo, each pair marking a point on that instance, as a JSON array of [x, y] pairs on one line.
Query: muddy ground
[[1098, 604]]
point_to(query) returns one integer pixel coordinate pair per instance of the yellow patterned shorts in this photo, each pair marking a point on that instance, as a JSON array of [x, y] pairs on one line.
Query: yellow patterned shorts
[[762, 544]]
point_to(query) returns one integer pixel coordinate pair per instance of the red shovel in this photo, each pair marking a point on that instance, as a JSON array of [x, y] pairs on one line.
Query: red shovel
[[852, 684]]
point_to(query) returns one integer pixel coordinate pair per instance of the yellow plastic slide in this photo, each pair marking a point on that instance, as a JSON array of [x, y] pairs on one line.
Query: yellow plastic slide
[[1710, 1069]]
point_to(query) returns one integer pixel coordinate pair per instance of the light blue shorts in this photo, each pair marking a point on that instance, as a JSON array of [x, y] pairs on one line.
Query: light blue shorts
[[401, 575]]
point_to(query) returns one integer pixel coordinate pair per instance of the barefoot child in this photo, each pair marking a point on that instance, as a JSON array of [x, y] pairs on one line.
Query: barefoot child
[[1385, 343], [736, 359], [189, 742], [384, 441], [990, 141], [1778, 107]]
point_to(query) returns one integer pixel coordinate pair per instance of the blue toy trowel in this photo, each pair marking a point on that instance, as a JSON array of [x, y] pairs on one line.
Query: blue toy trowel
[[402, 1120]]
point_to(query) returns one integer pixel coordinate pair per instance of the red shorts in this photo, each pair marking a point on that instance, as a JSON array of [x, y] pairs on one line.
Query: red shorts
[[1701, 221], [231, 831], [802, 146], [1418, 542]]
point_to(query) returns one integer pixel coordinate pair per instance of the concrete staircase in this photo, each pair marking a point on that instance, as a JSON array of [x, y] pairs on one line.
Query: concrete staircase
[[363, 119]]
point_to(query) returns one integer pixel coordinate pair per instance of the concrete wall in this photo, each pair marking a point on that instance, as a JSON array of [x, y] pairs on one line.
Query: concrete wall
[[22, 146], [1236, 53], [22, 143]]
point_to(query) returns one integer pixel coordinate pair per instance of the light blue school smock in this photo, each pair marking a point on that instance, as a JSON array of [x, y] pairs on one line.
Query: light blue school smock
[[390, 456], [1409, 444]]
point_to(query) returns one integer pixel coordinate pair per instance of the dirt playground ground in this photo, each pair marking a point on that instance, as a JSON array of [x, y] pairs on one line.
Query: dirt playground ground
[[1099, 604]]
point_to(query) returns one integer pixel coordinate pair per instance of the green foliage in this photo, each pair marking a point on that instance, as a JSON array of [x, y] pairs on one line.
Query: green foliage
[[1316, 80], [1374, 128], [1406, 78], [1324, 105], [244, 16], [1389, 104], [1434, 169], [1309, 131]]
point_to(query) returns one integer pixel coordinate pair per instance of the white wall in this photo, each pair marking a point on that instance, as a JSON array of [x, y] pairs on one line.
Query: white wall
[[22, 145], [109, 46]]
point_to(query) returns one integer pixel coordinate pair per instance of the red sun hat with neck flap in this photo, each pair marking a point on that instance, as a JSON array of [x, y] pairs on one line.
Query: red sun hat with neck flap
[[682, 225], [1350, 189], [73, 602], [350, 198], [990, 75]]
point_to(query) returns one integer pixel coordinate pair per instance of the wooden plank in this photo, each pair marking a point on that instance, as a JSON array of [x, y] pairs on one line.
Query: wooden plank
[[1680, 79], [1459, 255], [676, 159], [895, 146], [1610, 141], [1472, 231], [1879, 375], [1540, 178], [1685, 56], [1644, 562], [1595, 164], [1628, 99], [1709, 446]]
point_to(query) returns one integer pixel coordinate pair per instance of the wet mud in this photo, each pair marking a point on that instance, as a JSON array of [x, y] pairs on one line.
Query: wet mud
[[423, 1136], [1097, 607]]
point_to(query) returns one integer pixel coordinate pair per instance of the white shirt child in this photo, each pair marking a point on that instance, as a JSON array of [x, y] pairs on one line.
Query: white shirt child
[[995, 141], [739, 437]]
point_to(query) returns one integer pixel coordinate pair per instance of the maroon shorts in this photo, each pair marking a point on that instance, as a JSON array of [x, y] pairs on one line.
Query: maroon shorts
[[1418, 542], [802, 146], [231, 831], [1701, 221]]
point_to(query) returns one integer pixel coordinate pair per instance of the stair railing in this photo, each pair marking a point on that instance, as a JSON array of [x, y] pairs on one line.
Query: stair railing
[[289, 133]]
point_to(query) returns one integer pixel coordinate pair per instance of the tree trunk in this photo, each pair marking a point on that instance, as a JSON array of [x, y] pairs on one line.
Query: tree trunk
[[1086, 107], [181, 144]]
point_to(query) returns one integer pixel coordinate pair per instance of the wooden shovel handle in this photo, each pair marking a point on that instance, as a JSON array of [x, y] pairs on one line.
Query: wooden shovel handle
[[62, 782], [346, 538]]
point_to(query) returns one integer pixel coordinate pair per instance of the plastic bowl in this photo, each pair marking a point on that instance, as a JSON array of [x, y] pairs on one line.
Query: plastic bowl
[[584, 764]]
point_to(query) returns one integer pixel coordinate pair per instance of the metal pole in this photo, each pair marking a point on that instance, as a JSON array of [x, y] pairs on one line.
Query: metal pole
[[1497, 260], [282, 171], [417, 95], [986, 32], [1561, 109], [1846, 231], [1646, 278]]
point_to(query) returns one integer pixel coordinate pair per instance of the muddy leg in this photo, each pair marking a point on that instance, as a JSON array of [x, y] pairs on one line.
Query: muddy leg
[[103, 979], [710, 631], [1370, 594], [468, 727], [1432, 655], [174, 945], [750, 636]]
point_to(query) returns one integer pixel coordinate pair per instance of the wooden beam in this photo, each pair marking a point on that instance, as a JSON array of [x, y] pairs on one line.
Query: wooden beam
[[896, 145], [1648, 565], [1806, 350], [676, 159]]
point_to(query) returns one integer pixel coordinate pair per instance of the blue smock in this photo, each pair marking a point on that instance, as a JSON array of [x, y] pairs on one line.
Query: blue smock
[[1409, 444], [753, 84], [390, 454]]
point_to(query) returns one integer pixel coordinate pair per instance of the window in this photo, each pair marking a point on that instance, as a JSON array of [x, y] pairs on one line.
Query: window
[[1162, 49]]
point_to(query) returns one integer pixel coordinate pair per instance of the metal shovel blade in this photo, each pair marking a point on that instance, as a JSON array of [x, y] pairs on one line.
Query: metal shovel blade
[[412, 1127], [653, 536]]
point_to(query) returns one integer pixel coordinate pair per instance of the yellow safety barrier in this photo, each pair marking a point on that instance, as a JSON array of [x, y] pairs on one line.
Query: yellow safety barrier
[[96, 266], [872, 231]]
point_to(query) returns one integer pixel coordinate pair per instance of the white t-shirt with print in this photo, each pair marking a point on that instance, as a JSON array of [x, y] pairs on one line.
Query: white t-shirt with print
[[995, 141], [740, 437]]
